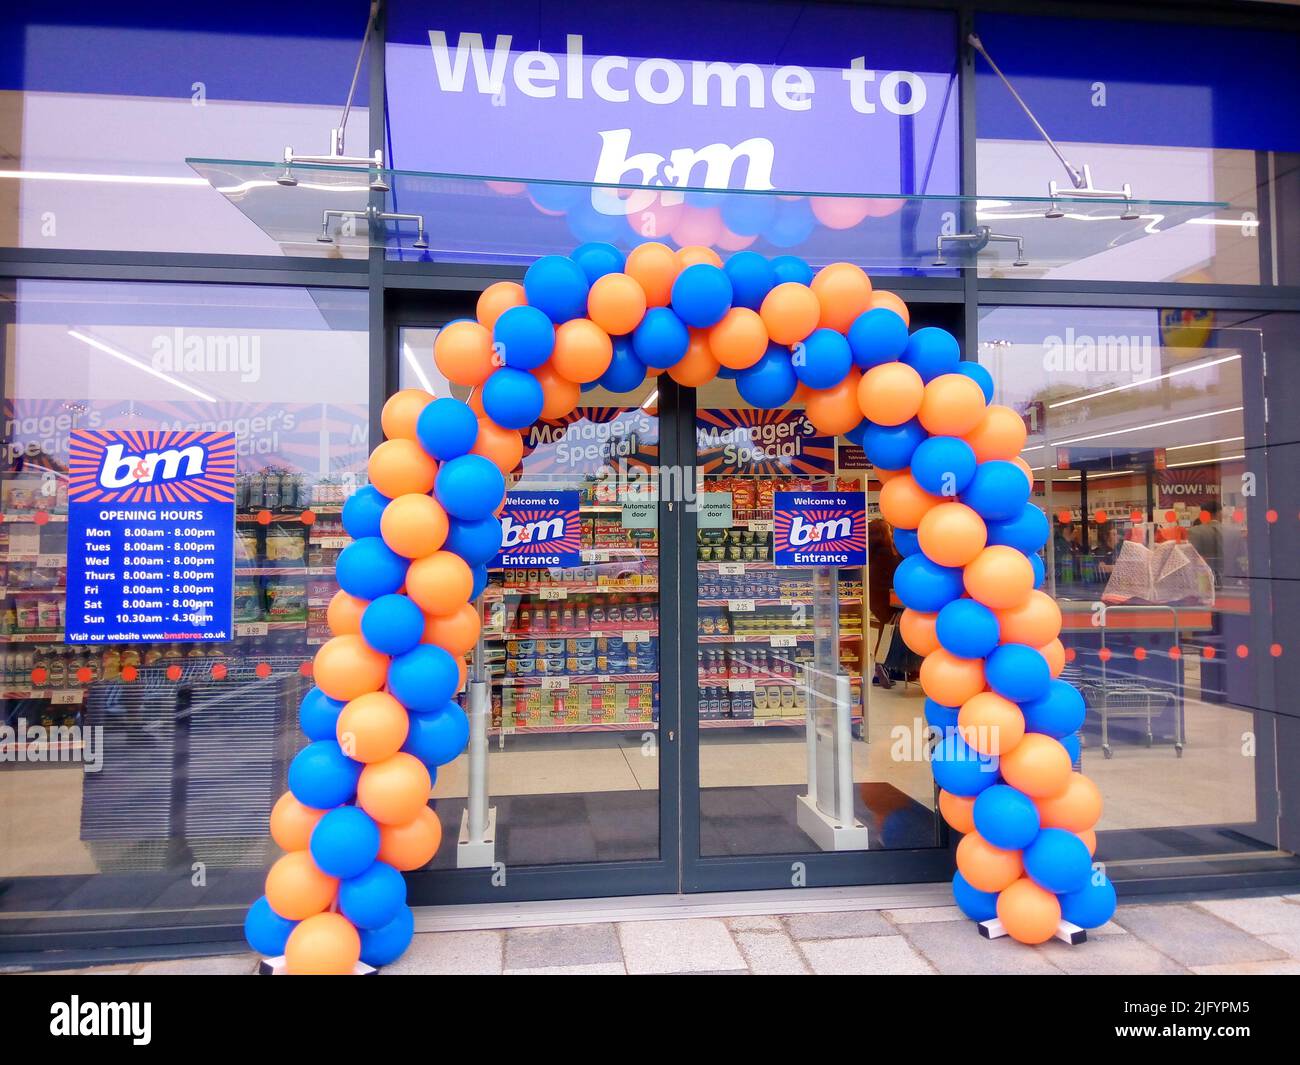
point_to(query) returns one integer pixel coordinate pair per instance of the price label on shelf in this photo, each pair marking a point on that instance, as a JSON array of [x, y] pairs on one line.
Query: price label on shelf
[[736, 685], [762, 525], [636, 636], [65, 698], [49, 561], [555, 684], [783, 641], [594, 554], [331, 543], [547, 594], [251, 628], [731, 569], [740, 606]]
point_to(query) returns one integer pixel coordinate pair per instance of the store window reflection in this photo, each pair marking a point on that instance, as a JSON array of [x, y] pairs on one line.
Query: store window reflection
[[1140, 427], [173, 753]]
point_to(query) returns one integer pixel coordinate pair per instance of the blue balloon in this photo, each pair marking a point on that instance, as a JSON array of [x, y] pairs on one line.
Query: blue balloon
[[362, 511], [967, 629], [661, 339], [1072, 747], [770, 382], [1058, 861], [513, 398], [470, 487], [960, 769], [1058, 712], [727, 373], [1091, 906], [598, 258], [747, 215], [447, 428], [822, 359], [752, 276], [891, 446], [556, 196], [475, 541], [383, 946], [877, 336], [423, 679], [979, 375], [1017, 672], [557, 286], [322, 776], [392, 624], [975, 904], [588, 223], [1005, 817], [998, 491], [932, 352], [344, 842], [626, 371], [1027, 531], [906, 542], [794, 224], [439, 737], [373, 896], [266, 931], [858, 432], [940, 716], [943, 465], [1040, 570], [524, 337], [926, 586], [368, 568], [318, 715], [791, 268], [480, 573], [701, 295]]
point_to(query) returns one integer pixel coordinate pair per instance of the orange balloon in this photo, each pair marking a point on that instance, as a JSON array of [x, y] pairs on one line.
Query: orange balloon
[[835, 410], [372, 727], [1054, 652], [325, 944], [412, 845], [654, 267], [1039, 766], [616, 303], [986, 867], [1036, 621], [583, 351], [292, 822], [881, 298], [395, 790], [296, 888], [1089, 838], [698, 253], [950, 680], [496, 299], [1000, 577], [440, 583], [951, 534], [958, 811], [953, 405], [698, 366], [1076, 809], [844, 292], [503, 447], [740, 339], [414, 525], [790, 312], [559, 394], [904, 503], [402, 411], [891, 393], [991, 724], [343, 615], [1029, 913], [1000, 434], [884, 476], [456, 632], [401, 467], [463, 353], [917, 630], [347, 666]]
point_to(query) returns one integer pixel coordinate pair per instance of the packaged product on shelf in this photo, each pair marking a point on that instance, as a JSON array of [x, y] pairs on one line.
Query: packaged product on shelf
[[286, 545], [286, 599], [248, 599]]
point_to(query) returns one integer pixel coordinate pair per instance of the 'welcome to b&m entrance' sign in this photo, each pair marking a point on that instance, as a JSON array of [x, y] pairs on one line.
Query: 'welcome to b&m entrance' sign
[[540, 529], [820, 529]]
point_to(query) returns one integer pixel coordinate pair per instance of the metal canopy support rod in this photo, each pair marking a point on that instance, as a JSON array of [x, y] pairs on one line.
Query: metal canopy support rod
[[978, 240], [371, 215]]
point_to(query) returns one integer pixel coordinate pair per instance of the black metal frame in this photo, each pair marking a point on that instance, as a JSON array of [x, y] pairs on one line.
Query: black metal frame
[[409, 293]]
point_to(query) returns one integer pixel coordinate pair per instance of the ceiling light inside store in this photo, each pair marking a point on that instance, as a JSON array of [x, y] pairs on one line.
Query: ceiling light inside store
[[417, 369], [99, 345], [1145, 381]]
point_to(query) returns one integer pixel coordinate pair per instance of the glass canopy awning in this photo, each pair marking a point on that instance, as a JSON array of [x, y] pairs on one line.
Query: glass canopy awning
[[343, 211]]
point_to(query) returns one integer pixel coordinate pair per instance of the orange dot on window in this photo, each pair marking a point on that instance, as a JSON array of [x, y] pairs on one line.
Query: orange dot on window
[[1208, 652], [263, 517], [1171, 516], [1275, 650], [1070, 654], [1063, 516], [40, 675], [307, 517], [219, 671], [129, 673], [83, 675], [173, 672], [1242, 650], [1270, 516], [1135, 516], [1140, 653], [1175, 652], [263, 669], [1238, 515], [1100, 516], [1206, 517], [41, 518], [305, 668], [1104, 654]]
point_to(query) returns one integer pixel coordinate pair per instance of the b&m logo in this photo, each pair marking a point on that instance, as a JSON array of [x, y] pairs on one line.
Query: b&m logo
[[151, 466], [820, 529], [540, 529]]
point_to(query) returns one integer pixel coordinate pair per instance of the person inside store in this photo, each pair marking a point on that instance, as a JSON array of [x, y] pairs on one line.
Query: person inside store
[[883, 559], [1066, 550], [1107, 550], [1206, 535]]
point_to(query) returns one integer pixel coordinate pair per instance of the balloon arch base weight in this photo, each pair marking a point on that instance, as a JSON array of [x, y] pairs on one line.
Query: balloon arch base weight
[[278, 967], [1065, 931]]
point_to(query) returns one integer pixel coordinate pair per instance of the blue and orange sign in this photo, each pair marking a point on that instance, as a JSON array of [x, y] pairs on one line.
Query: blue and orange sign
[[151, 526], [820, 529], [762, 443], [540, 529]]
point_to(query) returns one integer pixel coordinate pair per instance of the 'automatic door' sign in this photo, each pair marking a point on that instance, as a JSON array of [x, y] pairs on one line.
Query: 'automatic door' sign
[[540, 529], [151, 526], [820, 529]]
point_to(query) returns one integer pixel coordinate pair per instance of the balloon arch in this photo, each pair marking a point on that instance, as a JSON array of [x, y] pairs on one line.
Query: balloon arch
[[382, 716]]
